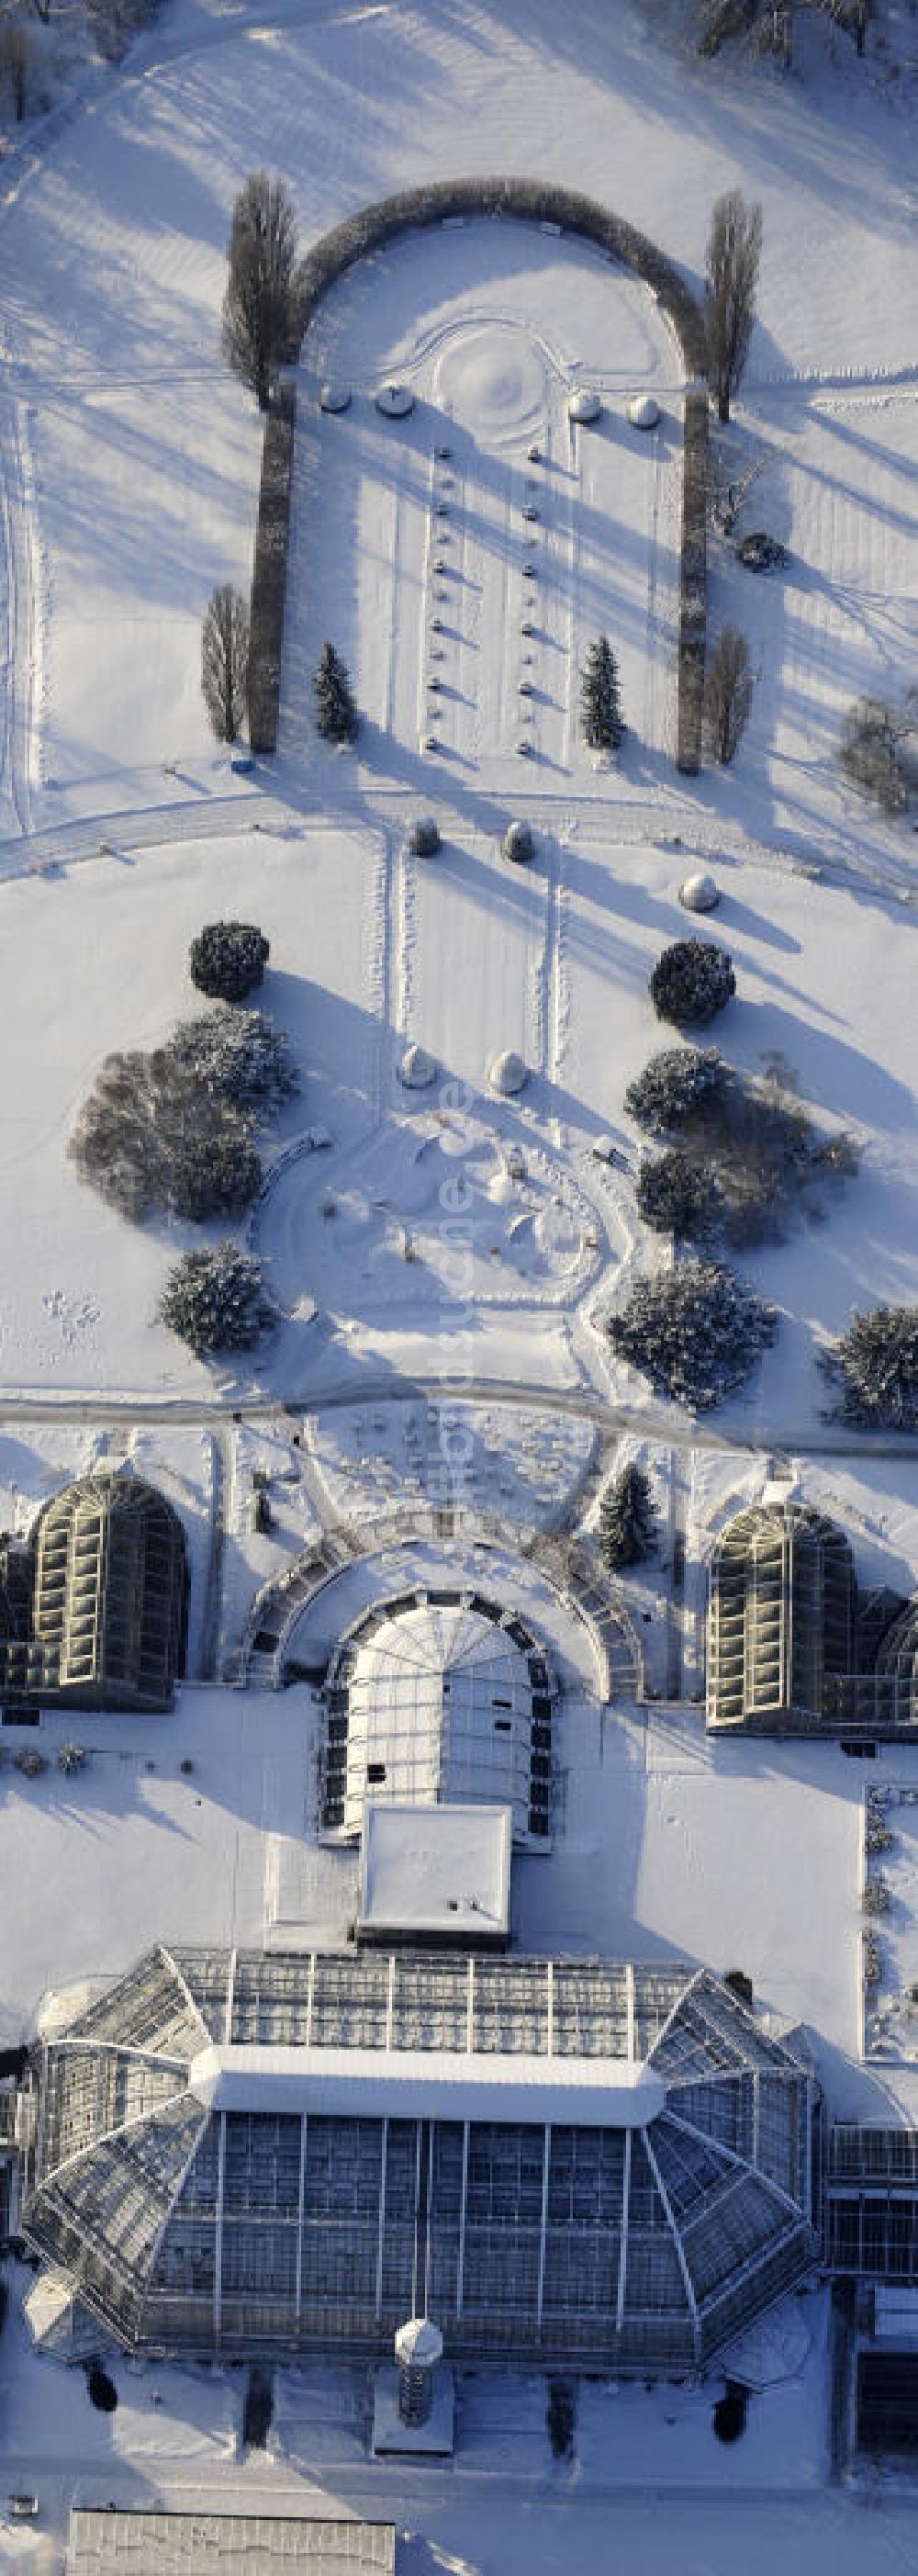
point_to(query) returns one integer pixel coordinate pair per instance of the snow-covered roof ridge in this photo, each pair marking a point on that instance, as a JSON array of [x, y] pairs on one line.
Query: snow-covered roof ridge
[[405, 2084]]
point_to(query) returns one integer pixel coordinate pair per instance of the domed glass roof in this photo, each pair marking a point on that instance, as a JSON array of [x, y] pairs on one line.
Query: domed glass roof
[[583, 2160], [437, 1696]]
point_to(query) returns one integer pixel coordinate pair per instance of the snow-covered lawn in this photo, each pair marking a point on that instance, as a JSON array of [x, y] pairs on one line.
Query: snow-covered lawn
[[464, 558], [133, 1849]]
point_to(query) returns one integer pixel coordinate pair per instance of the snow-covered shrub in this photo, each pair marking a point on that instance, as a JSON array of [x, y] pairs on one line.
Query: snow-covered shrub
[[871, 754], [228, 959], [874, 1369], [754, 1149], [676, 1194], [696, 1332], [149, 1137], [337, 719], [627, 1520], [676, 1083], [424, 837], [214, 1300], [238, 1053], [518, 842], [691, 982]]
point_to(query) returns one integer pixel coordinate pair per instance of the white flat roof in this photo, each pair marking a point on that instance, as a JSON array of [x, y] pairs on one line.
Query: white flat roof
[[428, 2084], [435, 1869]]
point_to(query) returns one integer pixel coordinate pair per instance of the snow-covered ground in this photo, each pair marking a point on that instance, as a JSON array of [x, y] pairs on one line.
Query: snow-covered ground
[[449, 1208], [474, 578]]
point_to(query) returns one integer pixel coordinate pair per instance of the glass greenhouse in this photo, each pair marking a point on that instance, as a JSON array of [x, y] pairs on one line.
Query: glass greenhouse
[[566, 2161]]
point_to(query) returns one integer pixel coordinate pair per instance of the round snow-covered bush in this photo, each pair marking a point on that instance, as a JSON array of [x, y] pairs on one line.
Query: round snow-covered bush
[[696, 1332], [675, 1195], [228, 959], [691, 982], [676, 1083], [424, 836], [238, 1053], [874, 1368], [214, 1300]]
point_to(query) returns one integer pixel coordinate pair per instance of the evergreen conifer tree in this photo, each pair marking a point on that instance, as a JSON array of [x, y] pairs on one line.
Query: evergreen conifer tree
[[601, 715], [336, 713], [627, 1520]]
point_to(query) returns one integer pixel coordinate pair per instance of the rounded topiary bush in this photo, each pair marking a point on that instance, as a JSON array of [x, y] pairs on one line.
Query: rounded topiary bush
[[675, 1195], [214, 1300], [238, 1053], [696, 1332], [424, 837], [518, 842], [674, 1086], [874, 1369], [228, 959], [691, 982]]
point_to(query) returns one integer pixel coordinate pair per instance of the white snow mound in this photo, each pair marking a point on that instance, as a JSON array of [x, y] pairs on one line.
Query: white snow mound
[[507, 1072]]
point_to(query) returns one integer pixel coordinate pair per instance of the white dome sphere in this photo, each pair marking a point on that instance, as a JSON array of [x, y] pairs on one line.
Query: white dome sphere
[[699, 893], [419, 2341], [334, 397], [644, 411], [417, 1068], [508, 1073], [585, 405]]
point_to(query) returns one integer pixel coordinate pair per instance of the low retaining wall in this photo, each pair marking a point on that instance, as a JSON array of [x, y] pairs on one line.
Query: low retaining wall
[[530, 201]]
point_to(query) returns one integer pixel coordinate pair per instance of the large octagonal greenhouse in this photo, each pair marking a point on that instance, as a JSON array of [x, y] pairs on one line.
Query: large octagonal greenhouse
[[564, 2160]]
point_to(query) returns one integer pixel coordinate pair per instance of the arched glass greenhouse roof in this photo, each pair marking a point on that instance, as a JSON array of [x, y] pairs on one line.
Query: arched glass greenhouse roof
[[572, 2160], [438, 1696]]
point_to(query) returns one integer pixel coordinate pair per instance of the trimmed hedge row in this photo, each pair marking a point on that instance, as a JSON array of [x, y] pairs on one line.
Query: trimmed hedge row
[[269, 577], [693, 582], [532, 201]]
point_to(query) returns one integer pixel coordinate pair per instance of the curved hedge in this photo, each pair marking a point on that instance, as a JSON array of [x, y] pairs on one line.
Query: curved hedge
[[532, 201]]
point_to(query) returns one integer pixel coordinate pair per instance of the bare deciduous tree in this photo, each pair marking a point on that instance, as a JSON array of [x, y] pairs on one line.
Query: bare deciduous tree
[[225, 660], [727, 694], [732, 269], [871, 752], [258, 304]]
